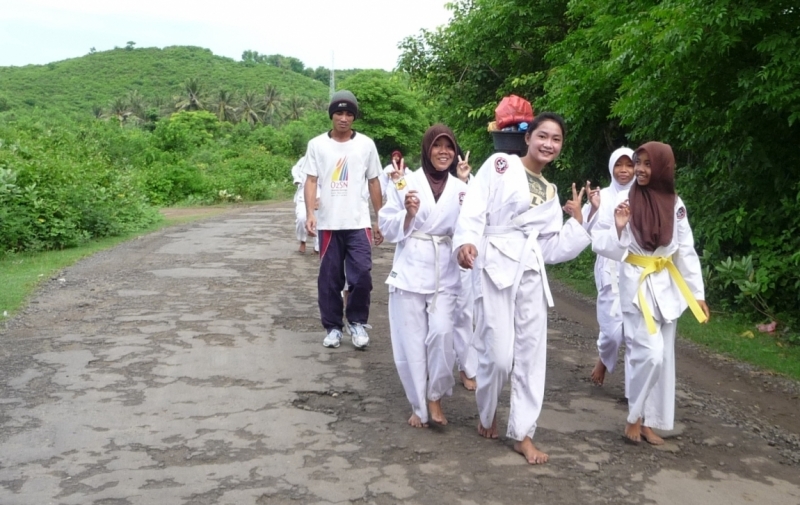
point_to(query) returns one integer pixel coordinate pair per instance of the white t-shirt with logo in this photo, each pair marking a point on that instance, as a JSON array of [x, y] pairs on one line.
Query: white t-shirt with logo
[[342, 170]]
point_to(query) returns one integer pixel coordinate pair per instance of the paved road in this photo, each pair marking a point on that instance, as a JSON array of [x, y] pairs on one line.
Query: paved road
[[186, 367]]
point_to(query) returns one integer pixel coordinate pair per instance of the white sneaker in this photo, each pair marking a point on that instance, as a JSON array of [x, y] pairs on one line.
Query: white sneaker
[[333, 338], [359, 335]]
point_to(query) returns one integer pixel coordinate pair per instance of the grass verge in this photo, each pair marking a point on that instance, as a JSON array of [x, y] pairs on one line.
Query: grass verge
[[725, 333], [22, 273]]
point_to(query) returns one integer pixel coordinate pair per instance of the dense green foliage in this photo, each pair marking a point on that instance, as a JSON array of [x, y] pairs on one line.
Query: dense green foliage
[[719, 80], [157, 76], [182, 126], [389, 112]]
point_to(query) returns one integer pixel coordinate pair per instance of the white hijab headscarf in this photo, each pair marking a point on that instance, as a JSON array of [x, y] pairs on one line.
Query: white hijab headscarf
[[615, 156]]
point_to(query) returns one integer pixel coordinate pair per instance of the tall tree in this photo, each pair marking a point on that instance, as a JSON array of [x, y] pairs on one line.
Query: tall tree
[[295, 107], [193, 96], [250, 108], [389, 112], [223, 105], [271, 104]]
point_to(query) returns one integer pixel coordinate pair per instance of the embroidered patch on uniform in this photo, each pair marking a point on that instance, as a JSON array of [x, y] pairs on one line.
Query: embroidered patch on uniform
[[501, 165], [393, 274], [681, 212], [461, 198]]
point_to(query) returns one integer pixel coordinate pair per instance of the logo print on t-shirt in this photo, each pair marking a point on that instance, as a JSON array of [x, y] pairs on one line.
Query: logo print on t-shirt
[[461, 197], [340, 174]]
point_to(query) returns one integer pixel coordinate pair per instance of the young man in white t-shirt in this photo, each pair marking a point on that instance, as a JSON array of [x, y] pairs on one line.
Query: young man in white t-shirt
[[345, 163]]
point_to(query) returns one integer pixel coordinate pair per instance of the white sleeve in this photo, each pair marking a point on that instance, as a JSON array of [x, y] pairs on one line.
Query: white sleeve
[[392, 216], [472, 218], [373, 162], [565, 245], [606, 243], [686, 259], [312, 159]]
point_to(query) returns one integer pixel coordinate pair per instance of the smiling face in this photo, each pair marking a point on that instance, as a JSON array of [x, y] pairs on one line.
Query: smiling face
[[623, 170], [442, 153], [641, 168], [544, 144], [343, 121]]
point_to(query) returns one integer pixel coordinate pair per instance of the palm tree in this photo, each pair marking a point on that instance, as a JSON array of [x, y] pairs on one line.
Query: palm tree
[[250, 108], [319, 104], [137, 105], [271, 103], [97, 112], [120, 110], [222, 104], [295, 107], [192, 97]]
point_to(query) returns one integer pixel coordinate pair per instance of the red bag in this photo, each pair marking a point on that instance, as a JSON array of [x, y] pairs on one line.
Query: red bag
[[513, 110]]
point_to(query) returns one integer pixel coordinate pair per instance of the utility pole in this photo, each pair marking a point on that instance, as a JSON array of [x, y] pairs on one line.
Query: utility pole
[[332, 80]]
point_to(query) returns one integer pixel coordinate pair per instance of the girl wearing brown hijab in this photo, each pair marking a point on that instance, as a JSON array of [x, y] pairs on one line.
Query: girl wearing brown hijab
[[420, 218], [660, 277]]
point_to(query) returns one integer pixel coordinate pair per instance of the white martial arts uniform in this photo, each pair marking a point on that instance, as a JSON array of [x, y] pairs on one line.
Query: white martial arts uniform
[[299, 178], [514, 241], [464, 329], [423, 286], [606, 277], [652, 356]]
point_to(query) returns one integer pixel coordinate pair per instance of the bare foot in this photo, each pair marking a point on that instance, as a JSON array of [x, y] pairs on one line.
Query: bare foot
[[488, 432], [650, 436], [302, 249], [533, 455], [469, 384], [633, 432], [599, 373], [416, 422], [435, 410]]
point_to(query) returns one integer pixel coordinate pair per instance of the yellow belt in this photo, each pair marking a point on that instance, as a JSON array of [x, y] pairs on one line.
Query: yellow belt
[[652, 264]]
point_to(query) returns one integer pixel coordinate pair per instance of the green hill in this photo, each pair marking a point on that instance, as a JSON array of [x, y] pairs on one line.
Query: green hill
[[78, 85]]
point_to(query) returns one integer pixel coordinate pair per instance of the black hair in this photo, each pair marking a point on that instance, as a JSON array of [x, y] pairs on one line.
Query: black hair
[[546, 116]]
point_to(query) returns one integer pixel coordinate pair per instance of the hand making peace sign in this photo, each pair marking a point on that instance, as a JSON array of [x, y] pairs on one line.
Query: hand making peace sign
[[573, 207], [463, 169]]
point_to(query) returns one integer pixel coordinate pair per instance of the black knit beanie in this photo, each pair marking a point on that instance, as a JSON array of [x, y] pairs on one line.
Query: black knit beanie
[[343, 100]]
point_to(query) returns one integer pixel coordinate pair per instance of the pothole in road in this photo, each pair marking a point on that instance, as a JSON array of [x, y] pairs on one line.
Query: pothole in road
[[329, 402]]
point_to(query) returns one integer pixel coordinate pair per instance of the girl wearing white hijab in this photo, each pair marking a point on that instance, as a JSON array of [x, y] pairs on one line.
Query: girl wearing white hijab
[[606, 271]]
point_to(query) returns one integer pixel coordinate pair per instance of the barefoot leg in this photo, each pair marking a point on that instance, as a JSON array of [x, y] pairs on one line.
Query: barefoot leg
[[469, 384], [532, 455], [633, 431], [416, 422], [436, 414], [599, 373], [488, 432], [650, 436], [302, 249]]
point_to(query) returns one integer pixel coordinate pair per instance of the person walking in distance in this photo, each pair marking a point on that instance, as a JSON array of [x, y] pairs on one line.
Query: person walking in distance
[[344, 162]]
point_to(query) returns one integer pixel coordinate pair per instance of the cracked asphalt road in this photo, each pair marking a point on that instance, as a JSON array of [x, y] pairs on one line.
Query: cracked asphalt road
[[186, 367]]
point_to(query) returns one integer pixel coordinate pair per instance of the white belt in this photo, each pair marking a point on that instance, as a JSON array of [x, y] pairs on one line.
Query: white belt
[[436, 239], [531, 247]]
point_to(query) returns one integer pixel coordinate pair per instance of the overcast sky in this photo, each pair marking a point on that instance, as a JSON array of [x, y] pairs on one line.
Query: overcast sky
[[360, 33]]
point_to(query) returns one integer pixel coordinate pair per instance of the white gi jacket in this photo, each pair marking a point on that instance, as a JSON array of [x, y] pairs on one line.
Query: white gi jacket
[[415, 259], [299, 179], [661, 292], [510, 235]]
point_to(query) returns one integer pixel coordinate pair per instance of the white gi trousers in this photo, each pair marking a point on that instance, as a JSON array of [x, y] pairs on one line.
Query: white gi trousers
[[511, 338], [300, 220], [652, 372], [609, 318], [422, 345], [463, 332]]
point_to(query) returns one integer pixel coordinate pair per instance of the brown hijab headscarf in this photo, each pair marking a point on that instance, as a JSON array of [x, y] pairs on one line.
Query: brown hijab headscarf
[[437, 178], [653, 206]]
